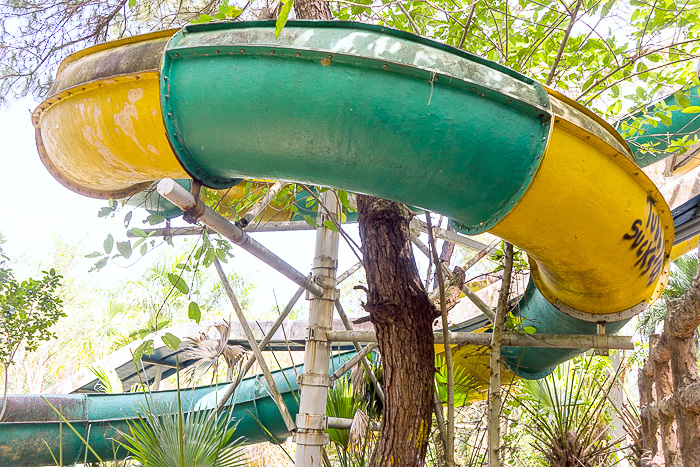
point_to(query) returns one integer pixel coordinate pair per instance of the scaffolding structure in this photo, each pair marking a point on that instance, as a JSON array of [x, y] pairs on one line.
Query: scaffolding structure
[[320, 285]]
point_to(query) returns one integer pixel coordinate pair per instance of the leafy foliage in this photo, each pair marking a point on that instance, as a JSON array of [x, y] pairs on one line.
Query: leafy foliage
[[163, 439], [28, 310], [569, 414], [682, 272]]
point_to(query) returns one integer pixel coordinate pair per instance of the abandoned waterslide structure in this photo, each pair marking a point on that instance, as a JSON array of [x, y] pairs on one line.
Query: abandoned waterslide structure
[[370, 110]]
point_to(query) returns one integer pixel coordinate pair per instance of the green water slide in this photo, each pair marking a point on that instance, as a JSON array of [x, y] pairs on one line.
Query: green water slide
[[372, 110], [31, 430]]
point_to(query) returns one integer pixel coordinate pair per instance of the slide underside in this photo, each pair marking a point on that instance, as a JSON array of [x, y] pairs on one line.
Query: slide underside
[[373, 110]]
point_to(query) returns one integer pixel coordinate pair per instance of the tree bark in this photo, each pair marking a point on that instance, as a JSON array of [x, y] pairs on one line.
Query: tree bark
[[663, 384], [682, 320], [649, 414], [448, 249], [309, 9], [402, 315]]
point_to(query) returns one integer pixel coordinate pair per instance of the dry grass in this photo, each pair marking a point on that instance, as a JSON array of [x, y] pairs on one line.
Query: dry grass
[[270, 455]]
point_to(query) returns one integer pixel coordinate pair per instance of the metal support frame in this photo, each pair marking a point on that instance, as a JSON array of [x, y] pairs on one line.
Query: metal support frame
[[158, 377], [183, 199], [365, 364], [485, 309], [310, 435], [448, 235], [554, 341], [272, 386], [285, 226], [263, 343], [353, 361], [260, 206], [155, 361]]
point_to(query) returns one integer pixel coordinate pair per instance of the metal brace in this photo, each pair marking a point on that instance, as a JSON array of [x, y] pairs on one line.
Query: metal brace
[[306, 438], [307, 421], [314, 379], [316, 334], [602, 336]]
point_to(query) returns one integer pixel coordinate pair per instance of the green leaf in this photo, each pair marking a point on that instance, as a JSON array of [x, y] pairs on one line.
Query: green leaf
[[179, 283], [132, 3], [330, 225], [202, 19], [282, 18], [682, 100], [693, 109], [616, 107], [139, 232], [310, 220], [108, 244], [94, 254], [343, 196], [124, 249], [171, 340], [100, 264], [154, 219], [127, 218], [606, 8], [145, 347], [529, 329], [194, 312]]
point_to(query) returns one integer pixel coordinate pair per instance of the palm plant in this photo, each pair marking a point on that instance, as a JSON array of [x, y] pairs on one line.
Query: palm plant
[[183, 440], [682, 272], [570, 413], [161, 438], [208, 351], [353, 447]]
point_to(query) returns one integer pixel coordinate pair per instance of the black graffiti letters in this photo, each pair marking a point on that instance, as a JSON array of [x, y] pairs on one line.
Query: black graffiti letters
[[648, 242]]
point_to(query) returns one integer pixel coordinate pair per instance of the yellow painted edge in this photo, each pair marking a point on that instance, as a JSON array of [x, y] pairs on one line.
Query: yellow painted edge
[[684, 247], [46, 160]]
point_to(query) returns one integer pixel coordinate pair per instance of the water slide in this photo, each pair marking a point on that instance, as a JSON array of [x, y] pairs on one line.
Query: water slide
[[31, 431], [373, 110]]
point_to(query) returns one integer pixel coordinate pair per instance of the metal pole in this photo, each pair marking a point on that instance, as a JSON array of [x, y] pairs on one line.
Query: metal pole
[[188, 203], [349, 272], [263, 343], [553, 341], [485, 309], [365, 364], [272, 386], [495, 400], [450, 236], [157, 377], [310, 436], [268, 338], [353, 361], [262, 204]]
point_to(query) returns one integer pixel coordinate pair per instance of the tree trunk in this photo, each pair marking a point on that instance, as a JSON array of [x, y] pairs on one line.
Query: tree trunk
[[448, 249], [402, 315], [680, 327], [663, 384], [649, 414]]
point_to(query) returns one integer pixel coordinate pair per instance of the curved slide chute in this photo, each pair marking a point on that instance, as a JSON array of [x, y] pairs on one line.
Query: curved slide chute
[[373, 110], [29, 433]]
